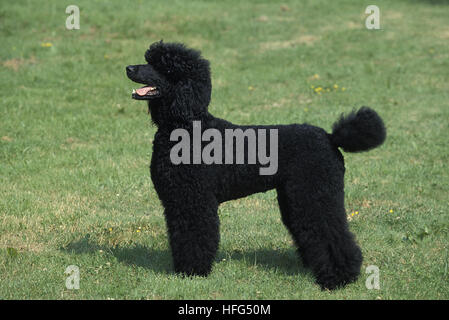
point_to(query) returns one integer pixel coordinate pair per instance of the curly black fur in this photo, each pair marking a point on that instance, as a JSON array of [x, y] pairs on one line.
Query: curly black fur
[[309, 180], [359, 131]]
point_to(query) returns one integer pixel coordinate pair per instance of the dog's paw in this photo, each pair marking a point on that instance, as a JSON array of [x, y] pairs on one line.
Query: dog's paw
[[334, 282], [191, 272]]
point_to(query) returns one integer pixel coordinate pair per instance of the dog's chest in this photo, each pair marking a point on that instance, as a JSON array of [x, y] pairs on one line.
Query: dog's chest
[[161, 167]]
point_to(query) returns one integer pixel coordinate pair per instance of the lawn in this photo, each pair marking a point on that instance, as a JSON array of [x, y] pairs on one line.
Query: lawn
[[75, 149]]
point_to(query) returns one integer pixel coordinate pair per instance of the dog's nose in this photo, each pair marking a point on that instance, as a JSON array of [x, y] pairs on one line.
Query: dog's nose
[[131, 69]]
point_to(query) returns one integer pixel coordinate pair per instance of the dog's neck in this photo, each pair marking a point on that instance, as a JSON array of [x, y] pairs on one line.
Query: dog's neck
[[160, 118]]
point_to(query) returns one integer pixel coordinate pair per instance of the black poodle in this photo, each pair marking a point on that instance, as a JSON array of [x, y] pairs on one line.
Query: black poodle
[[308, 180]]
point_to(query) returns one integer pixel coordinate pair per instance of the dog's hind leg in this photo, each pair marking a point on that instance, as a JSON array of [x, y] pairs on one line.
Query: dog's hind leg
[[314, 214], [193, 229]]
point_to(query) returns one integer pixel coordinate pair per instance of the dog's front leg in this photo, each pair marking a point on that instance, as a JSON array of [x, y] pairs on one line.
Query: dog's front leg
[[193, 230]]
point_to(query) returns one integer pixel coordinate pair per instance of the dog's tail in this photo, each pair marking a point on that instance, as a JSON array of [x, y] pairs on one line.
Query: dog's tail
[[358, 131]]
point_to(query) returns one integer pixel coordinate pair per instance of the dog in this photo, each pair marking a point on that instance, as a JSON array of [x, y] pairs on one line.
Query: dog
[[309, 179]]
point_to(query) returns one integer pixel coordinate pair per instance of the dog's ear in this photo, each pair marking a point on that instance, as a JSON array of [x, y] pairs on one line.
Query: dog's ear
[[185, 105]]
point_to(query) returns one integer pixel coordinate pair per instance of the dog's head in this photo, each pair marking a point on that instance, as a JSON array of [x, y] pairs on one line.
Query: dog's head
[[177, 82]]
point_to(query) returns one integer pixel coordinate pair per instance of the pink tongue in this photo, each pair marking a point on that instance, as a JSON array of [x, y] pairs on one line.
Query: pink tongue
[[143, 91]]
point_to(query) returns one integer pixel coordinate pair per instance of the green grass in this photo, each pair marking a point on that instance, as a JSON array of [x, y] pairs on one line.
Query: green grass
[[75, 149]]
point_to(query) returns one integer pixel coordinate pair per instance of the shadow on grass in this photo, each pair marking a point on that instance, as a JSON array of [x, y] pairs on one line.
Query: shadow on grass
[[285, 261], [160, 261]]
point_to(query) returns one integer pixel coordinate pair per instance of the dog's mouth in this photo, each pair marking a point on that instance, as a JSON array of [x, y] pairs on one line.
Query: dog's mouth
[[145, 93]]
